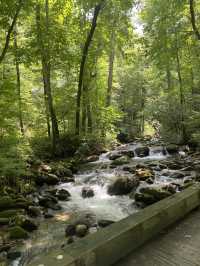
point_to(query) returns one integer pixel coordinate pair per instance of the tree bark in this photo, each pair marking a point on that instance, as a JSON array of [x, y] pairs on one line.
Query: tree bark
[[182, 100], [10, 30], [82, 65], [193, 19], [110, 68], [168, 76], [46, 72], [17, 66]]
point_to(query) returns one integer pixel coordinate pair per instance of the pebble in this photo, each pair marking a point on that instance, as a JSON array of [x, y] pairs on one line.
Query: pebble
[[59, 257]]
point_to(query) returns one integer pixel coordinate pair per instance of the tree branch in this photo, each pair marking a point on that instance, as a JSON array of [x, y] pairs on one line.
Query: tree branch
[[10, 30], [193, 19]]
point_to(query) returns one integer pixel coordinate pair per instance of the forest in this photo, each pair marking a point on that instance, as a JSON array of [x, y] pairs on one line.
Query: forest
[[78, 77]]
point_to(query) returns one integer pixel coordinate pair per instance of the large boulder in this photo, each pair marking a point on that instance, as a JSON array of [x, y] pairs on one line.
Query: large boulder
[[121, 160], [172, 149], [151, 194], [87, 192], [123, 186], [142, 151], [63, 195], [17, 232], [49, 179]]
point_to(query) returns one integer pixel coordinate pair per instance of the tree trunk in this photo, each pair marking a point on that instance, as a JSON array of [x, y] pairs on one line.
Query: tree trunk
[[82, 65], [182, 100], [84, 110], [193, 19], [110, 69], [46, 72], [168, 76], [10, 30], [18, 82]]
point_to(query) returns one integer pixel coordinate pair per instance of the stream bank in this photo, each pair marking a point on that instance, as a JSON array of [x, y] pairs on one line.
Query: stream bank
[[106, 189]]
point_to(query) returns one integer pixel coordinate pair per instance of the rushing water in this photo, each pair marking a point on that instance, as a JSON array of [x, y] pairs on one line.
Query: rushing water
[[97, 175]]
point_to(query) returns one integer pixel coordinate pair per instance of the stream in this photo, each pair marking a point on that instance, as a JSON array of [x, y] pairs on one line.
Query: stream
[[96, 175]]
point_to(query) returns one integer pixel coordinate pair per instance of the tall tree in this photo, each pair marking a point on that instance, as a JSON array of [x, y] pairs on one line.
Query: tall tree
[[87, 44], [46, 71], [17, 65], [10, 30]]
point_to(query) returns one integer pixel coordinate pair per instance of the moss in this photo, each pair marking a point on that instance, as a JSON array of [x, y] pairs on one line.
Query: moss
[[17, 232], [10, 213]]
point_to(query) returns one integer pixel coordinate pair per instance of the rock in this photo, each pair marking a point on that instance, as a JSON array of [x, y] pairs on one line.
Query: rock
[[45, 168], [14, 254], [29, 225], [62, 171], [144, 174], [150, 181], [115, 155], [123, 137], [171, 188], [3, 258], [17, 232], [144, 198], [10, 213], [40, 180], [129, 169], [122, 160], [92, 158], [52, 192], [142, 151], [34, 211], [105, 223], [47, 201], [66, 179], [6, 203], [128, 153], [70, 230], [177, 175], [123, 186], [70, 240], [48, 214], [51, 180], [149, 195], [4, 221], [81, 230], [87, 192], [172, 149], [158, 193], [5, 247], [63, 195]]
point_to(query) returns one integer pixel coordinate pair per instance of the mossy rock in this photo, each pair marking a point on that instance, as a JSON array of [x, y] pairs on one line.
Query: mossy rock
[[6, 203], [10, 213], [17, 232], [122, 160], [4, 221]]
